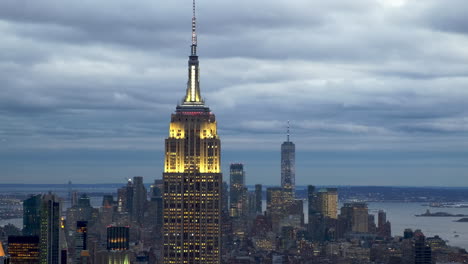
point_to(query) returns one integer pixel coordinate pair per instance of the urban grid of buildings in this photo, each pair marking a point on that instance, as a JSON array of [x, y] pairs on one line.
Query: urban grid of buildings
[[191, 215]]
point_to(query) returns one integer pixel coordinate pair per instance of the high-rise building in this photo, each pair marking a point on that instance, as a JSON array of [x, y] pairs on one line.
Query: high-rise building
[[315, 227], [237, 192], [225, 199], [23, 249], [356, 216], [125, 198], [288, 168], [156, 203], [139, 199], [422, 250], [192, 176], [312, 200], [81, 239], [50, 230], [118, 237], [327, 202], [276, 207], [384, 228], [31, 216], [258, 198]]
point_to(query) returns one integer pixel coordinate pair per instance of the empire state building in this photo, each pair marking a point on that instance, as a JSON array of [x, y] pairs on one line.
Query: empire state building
[[192, 176]]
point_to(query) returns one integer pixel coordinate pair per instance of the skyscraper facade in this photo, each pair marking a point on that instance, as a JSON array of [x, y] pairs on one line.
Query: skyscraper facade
[[118, 238], [192, 177], [258, 198], [327, 202], [50, 230], [139, 199], [81, 239], [237, 184], [288, 168], [23, 249], [31, 211]]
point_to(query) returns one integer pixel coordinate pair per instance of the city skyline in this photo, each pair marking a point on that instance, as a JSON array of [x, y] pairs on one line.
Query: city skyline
[[86, 92]]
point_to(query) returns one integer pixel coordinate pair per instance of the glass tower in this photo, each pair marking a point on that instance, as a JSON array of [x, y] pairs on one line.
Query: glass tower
[[288, 169], [237, 184]]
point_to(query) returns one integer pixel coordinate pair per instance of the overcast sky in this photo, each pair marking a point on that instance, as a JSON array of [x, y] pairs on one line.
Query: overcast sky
[[376, 90]]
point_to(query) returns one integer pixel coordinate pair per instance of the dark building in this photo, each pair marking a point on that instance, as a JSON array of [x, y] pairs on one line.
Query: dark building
[[156, 204], [225, 199], [258, 198], [31, 213], [384, 228], [118, 238], [139, 199], [288, 168], [125, 198], [192, 177], [23, 249], [50, 230], [81, 239], [237, 192], [356, 216], [422, 250]]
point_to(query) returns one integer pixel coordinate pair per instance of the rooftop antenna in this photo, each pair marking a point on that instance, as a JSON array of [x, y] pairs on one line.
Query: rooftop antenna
[[194, 31], [288, 131]]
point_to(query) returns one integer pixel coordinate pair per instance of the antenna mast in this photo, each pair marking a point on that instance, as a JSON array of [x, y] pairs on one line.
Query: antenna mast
[[288, 131], [194, 31]]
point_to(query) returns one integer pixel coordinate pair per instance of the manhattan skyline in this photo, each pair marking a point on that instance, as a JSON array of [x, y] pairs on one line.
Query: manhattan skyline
[[375, 90]]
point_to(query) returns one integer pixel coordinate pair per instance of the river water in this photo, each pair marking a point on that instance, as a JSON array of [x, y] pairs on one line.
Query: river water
[[401, 215]]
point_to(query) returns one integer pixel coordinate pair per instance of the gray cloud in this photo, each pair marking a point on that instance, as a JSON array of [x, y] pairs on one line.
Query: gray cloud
[[352, 76]]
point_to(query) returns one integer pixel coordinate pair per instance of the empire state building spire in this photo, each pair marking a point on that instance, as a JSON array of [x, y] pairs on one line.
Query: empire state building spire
[[193, 96]]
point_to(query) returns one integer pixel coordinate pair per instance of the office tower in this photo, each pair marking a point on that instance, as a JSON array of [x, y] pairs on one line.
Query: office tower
[[225, 199], [327, 202], [258, 198], [315, 226], [50, 230], [81, 239], [139, 199], [192, 177], [276, 207], [381, 218], [252, 203], [125, 198], [23, 249], [31, 216], [371, 227], [237, 183], [288, 168], [118, 237], [384, 228], [156, 203], [356, 216], [311, 202], [422, 251]]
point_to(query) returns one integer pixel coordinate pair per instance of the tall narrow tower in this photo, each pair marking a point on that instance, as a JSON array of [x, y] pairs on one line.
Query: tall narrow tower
[[288, 168], [192, 176]]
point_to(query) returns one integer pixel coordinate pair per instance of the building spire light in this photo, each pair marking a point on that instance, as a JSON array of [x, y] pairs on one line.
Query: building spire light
[[193, 95], [194, 32]]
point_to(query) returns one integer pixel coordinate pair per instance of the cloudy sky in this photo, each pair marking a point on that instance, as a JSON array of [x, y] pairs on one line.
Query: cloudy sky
[[376, 90]]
